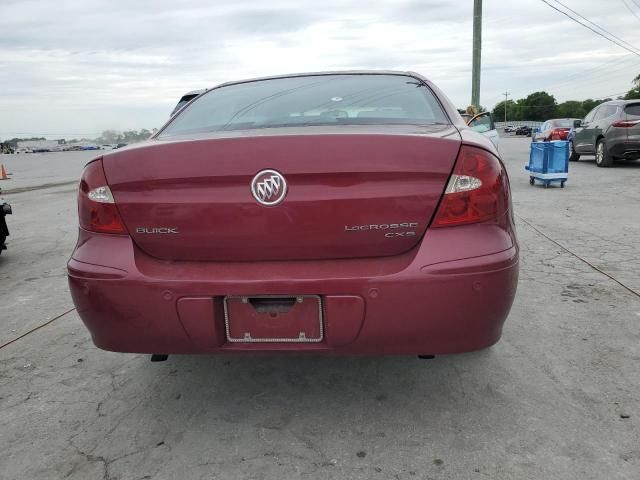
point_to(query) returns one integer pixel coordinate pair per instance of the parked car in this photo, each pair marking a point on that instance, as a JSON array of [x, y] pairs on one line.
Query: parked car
[[510, 128], [554, 129], [294, 213], [186, 98], [524, 130], [5, 209], [611, 131]]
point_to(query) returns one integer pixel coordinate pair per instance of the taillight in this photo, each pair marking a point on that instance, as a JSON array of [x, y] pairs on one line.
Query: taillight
[[97, 211], [626, 123], [476, 191], [558, 134]]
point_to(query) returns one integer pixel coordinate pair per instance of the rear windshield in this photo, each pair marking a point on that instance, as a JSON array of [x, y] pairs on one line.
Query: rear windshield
[[633, 109], [310, 100], [563, 123]]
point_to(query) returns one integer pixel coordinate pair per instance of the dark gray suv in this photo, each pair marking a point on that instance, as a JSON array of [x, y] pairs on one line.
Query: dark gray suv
[[611, 131]]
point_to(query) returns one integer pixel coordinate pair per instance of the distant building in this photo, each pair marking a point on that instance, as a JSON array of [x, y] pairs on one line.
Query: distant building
[[39, 145]]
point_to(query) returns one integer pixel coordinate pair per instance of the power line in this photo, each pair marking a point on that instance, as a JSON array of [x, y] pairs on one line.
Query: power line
[[591, 74], [595, 24], [605, 66], [594, 77], [611, 95], [633, 49], [588, 75], [630, 9], [636, 3]]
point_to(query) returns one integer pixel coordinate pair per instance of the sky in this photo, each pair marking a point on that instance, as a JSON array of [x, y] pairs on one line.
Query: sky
[[73, 68]]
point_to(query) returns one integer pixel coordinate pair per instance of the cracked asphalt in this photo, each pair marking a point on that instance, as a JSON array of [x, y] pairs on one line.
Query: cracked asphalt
[[557, 398]]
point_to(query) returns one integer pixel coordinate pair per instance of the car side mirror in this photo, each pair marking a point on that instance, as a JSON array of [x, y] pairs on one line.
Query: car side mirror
[[577, 123]]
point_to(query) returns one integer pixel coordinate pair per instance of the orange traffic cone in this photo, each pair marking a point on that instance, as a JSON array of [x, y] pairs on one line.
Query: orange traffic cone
[[3, 173]]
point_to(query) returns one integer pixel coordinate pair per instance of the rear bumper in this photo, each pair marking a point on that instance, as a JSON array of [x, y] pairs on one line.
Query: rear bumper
[[448, 295], [629, 149]]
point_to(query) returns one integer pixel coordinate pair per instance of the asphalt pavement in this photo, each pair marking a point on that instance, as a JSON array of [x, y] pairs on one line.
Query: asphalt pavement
[[37, 170], [557, 398]]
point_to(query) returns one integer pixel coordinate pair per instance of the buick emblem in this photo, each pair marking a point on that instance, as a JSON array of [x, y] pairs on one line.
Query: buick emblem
[[269, 188]]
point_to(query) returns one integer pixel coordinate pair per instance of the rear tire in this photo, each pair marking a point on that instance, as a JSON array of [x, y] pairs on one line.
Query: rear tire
[[573, 156], [603, 159]]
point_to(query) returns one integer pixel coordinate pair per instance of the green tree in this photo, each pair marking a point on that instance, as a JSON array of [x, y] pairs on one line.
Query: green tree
[[589, 104], [571, 109], [635, 91], [498, 111], [109, 136], [128, 136], [144, 134], [539, 106]]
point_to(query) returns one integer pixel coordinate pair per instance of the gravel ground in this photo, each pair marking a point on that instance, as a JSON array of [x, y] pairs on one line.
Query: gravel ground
[[558, 397]]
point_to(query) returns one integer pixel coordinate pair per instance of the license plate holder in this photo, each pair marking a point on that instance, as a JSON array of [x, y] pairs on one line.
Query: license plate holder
[[273, 318]]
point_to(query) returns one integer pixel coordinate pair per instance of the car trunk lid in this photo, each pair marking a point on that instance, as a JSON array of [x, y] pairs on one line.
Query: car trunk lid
[[357, 193]]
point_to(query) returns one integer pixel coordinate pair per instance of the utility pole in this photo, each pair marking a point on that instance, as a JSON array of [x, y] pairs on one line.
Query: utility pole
[[506, 95], [477, 53]]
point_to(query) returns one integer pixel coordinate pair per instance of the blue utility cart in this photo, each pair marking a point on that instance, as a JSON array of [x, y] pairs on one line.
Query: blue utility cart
[[549, 162]]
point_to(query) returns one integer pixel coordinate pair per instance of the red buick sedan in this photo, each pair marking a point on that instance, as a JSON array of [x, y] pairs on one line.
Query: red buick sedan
[[344, 213]]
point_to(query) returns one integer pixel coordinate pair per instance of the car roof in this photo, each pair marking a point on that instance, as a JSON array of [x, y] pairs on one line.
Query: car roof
[[308, 74], [330, 72], [620, 102]]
